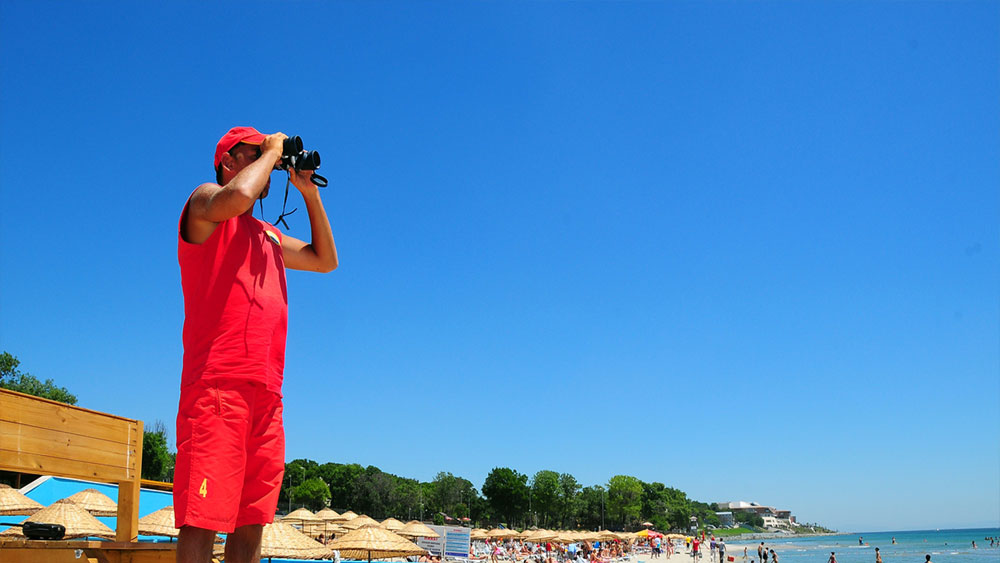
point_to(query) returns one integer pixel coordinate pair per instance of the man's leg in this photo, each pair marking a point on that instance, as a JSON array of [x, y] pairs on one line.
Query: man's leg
[[194, 545], [243, 545]]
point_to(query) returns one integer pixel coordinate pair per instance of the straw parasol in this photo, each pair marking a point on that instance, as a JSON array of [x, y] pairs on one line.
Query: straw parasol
[[328, 515], [348, 516], [78, 522], [281, 539], [363, 520], [414, 529], [372, 542], [538, 536], [477, 534], [13, 502], [95, 502], [300, 516], [392, 524], [159, 523], [605, 535]]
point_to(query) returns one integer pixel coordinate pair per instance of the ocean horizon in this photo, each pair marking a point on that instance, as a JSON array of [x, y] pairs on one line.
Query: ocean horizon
[[910, 546]]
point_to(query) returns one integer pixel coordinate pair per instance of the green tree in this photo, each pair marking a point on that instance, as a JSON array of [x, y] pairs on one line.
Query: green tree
[[14, 379], [569, 501], [591, 503], [545, 496], [313, 493], [624, 499], [157, 461], [507, 492], [342, 480]]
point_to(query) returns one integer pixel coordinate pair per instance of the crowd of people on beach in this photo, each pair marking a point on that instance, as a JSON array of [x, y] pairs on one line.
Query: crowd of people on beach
[[611, 551]]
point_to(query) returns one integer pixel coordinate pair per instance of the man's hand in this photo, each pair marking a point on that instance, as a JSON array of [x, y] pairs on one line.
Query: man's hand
[[301, 180], [273, 144]]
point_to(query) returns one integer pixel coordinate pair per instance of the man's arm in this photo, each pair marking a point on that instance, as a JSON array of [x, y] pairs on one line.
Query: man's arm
[[211, 203], [321, 254]]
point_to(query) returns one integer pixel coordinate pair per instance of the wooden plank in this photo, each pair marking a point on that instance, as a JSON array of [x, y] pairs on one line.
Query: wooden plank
[[44, 465], [50, 443], [75, 438], [20, 410], [128, 499], [22, 555], [14, 395]]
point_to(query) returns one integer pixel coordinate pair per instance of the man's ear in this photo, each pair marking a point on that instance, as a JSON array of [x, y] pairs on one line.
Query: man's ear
[[227, 162]]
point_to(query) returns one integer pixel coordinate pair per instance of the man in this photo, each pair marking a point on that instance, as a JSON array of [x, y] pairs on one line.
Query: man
[[760, 552], [722, 550], [230, 438]]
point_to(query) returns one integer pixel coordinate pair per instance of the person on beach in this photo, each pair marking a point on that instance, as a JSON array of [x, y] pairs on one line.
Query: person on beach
[[760, 552], [694, 548], [927, 558], [763, 555], [833, 558], [774, 557], [878, 556], [230, 437], [722, 550]]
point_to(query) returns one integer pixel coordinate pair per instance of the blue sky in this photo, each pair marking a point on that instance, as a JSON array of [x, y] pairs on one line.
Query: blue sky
[[749, 250]]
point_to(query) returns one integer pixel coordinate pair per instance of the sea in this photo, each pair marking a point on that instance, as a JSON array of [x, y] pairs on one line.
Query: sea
[[944, 546]]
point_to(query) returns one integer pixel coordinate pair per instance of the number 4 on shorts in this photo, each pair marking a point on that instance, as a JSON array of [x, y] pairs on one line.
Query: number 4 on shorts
[[203, 490]]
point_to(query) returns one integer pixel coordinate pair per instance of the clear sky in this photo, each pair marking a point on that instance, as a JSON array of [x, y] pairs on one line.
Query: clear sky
[[750, 250]]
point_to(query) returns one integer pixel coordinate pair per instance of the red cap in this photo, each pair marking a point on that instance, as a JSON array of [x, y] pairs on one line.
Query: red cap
[[247, 135]]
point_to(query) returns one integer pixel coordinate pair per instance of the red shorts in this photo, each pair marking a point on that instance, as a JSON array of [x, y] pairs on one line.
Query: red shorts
[[230, 455]]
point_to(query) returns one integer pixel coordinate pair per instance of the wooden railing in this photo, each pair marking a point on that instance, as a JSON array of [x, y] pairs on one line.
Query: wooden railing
[[51, 438]]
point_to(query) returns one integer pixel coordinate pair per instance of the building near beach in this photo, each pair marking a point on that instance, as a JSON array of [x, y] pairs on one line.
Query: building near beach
[[773, 518]]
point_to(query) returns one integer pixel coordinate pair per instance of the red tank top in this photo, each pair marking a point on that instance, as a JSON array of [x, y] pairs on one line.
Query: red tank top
[[235, 303]]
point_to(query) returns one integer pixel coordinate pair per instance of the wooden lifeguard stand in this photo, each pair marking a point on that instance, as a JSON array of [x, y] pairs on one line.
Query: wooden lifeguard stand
[[50, 438]]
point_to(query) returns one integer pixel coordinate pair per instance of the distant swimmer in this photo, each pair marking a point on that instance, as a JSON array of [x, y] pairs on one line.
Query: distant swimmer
[[833, 558], [973, 544], [893, 540], [861, 540], [878, 556], [927, 558]]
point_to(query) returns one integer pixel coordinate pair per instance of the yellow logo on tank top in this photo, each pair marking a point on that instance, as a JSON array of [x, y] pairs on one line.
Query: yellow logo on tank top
[[274, 238]]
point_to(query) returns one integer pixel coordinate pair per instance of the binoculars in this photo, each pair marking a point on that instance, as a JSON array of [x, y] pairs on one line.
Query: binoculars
[[295, 158]]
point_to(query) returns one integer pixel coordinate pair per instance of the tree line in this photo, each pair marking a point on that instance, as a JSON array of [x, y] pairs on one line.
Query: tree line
[[547, 499]]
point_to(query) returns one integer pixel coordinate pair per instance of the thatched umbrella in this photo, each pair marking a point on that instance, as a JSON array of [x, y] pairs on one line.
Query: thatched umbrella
[[280, 539], [159, 523], [306, 520], [329, 515], [477, 534], [95, 502], [348, 516], [392, 524], [605, 535], [13, 502], [415, 529], [78, 522], [501, 533], [539, 536], [330, 520], [372, 542], [363, 520]]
